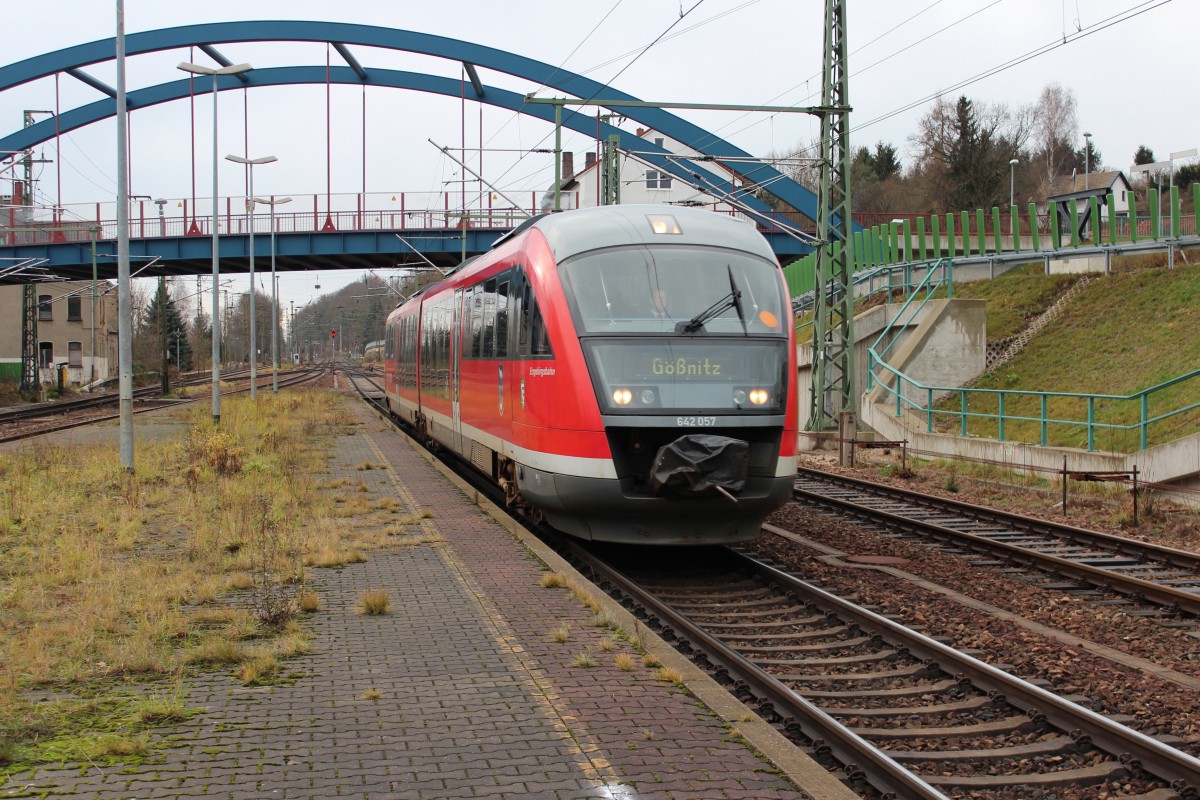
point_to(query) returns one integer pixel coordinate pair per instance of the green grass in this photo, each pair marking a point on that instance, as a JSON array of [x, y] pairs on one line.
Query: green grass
[[1123, 333], [1015, 298]]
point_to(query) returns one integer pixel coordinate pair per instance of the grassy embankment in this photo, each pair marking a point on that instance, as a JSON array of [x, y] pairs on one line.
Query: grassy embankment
[[116, 588], [1123, 333]]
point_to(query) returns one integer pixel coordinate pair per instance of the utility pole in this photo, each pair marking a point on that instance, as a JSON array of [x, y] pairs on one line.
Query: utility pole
[[833, 393], [162, 323]]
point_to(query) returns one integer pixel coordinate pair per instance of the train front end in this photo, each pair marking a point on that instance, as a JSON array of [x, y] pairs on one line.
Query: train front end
[[685, 330]]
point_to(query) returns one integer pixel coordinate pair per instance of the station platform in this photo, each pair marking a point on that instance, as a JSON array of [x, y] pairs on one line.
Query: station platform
[[459, 691]]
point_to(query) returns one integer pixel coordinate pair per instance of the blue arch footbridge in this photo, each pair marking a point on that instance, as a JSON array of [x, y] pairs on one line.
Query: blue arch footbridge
[[362, 233]]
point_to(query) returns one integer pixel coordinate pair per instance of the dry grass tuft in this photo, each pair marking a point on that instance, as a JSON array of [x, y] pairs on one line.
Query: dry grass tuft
[[624, 662], [214, 651], [669, 675], [371, 694], [560, 634], [584, 660], [310, 601], [261, 669], [374, 602], [333, 557], [607, 645], [650, 661], [366, 465], [240, 580], [552, 580]]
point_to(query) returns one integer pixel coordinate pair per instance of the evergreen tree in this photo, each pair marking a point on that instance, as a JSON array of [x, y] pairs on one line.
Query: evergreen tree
[[1144, 155], [160, 315]]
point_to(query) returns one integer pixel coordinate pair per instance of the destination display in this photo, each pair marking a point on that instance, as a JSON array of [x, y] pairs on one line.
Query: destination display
[[688, 374]]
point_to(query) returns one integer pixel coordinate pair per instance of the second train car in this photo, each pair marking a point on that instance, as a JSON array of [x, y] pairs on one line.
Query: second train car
[[626, 371]]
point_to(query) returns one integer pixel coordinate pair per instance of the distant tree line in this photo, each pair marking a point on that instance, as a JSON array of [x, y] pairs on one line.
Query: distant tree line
[[959, 158]]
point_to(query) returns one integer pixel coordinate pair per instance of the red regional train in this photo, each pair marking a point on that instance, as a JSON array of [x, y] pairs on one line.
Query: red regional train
[[627, 372]]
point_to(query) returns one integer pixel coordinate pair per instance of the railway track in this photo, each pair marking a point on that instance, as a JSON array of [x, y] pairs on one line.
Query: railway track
[[900, 712], [1139, 572], [145, 400]]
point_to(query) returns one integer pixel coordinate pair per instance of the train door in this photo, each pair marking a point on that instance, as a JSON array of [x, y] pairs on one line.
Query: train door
[[455, 371]]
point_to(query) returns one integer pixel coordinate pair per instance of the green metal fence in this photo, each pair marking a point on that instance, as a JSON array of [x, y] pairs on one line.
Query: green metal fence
[[1071, 419], [915, 238]]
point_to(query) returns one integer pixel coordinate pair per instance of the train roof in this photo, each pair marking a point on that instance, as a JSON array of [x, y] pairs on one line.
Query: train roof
[[572, 232]]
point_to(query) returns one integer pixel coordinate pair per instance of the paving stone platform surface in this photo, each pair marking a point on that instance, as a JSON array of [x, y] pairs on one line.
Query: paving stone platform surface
[[473, 697]]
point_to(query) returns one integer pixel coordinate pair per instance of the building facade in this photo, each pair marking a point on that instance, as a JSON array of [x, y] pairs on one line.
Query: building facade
[[76, 328], [641, 182]]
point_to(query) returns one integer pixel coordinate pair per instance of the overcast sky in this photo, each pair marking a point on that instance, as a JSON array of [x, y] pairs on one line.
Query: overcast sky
[[1132, 73]]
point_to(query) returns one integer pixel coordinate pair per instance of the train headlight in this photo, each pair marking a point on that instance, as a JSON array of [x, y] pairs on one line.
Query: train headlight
[[622, 397], [647, 397], [759, 396], [739, 397]]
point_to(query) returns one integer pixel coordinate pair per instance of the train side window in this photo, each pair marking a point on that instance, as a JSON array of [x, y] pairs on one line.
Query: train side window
[[539, 344], [476, 321], [502, 318], [488, 349]]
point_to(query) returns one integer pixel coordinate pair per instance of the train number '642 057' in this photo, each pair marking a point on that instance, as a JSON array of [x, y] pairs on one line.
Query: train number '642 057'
[[695, 422]]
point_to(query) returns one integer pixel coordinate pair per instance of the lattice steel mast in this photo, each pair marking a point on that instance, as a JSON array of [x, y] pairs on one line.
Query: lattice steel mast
[[833, 328]]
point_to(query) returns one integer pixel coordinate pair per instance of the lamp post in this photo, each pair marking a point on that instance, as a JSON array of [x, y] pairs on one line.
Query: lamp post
[[250, 163], [1087, 157], [274, 201], [1012, 181], [234, 69]]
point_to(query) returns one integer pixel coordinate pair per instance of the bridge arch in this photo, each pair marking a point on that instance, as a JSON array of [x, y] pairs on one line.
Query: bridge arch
[[74, 58]]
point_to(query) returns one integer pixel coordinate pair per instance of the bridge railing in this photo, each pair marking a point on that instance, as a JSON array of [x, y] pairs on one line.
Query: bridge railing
[[309, 214]]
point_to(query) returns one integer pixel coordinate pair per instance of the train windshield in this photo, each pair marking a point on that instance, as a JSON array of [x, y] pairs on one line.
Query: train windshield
[[675, 289]]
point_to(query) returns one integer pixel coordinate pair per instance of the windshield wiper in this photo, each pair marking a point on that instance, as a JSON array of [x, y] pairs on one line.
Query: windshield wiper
[[731, 300]]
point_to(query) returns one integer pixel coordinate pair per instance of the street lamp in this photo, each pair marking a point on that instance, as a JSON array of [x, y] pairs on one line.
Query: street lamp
[[234, 69], [1012, 182], [1087, 157], [250, 163], [274, 201]]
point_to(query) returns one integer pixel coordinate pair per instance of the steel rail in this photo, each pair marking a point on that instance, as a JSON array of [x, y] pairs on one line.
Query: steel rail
[[1138, 588], [860, 758], [1134, 749], [1167, 555]]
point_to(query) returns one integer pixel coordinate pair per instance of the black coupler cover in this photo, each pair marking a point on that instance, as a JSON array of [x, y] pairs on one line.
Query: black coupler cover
[[699, 462]]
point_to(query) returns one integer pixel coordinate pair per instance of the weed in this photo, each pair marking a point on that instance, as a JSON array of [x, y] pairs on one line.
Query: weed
[[215, 650], [647, 734], [560, 634], [552, 580], [951, 484], [164, 709], [624, 662], [366, 465], [607, 645], [261, 669], [291, 645], [669, 675], [605, 620], [362, 487], [240, 580], [333, 557], [310, 601], [650, 661], [371, 694], [374, 602], [584, 660]]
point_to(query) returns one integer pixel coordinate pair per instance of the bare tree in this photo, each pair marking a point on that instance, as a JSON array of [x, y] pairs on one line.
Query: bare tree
[[1056, 127]]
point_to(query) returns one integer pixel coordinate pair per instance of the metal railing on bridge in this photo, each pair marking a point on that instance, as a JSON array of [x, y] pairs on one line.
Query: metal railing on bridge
[[400, 211]]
